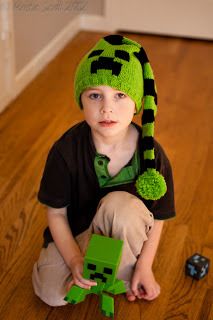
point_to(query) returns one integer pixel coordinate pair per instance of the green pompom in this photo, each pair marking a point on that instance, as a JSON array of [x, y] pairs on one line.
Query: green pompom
[[151, 185]]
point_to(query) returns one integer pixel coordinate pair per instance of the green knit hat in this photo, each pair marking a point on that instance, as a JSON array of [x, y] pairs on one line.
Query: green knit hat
[[122, 64]]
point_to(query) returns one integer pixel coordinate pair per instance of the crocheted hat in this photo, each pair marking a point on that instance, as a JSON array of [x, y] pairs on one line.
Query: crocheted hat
[[122, 64]]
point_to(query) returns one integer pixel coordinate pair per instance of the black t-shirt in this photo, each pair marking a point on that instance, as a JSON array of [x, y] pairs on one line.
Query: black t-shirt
[[69, 180]]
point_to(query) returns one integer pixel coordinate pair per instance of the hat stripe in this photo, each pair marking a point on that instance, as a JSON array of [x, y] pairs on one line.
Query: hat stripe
[[149, 154], [149, 130], [149, 87], [141, 55], [149, 163], [148, 143], [148, 116], [146, 137]]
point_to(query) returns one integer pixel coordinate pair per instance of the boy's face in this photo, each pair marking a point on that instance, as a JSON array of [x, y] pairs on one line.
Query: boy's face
[[107, 111]]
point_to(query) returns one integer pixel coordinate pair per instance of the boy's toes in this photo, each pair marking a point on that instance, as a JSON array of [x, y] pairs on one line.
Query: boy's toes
[[130, 296]]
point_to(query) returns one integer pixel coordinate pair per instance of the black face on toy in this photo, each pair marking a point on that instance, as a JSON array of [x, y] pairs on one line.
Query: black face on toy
[[102, 259], [104, 274]]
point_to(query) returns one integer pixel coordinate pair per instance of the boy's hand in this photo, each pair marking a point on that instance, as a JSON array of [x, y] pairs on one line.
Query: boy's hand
[[77, 271], [143, 285]]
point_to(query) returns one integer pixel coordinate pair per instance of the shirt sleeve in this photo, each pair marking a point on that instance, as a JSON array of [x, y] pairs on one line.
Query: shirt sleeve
[[54, 188], [164, 208]]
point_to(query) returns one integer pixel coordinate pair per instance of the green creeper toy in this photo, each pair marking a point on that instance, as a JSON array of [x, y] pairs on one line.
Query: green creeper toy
[[101, 264]]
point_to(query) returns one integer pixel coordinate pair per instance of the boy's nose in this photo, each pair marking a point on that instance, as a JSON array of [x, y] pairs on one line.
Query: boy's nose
[[106, 107], [106, 110]]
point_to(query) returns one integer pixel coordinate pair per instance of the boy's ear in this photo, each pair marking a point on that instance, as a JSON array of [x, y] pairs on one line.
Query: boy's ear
[[81, 104], [141, 110]]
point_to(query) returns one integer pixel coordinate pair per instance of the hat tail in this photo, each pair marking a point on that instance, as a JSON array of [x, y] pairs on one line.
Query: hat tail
[[151, 184]]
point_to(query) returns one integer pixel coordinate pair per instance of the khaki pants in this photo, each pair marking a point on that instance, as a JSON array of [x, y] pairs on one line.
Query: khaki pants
[[119, 215]]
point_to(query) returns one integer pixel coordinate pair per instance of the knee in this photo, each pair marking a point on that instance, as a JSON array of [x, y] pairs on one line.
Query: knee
[[116, 197], [125, 209], [48, 291], [116, 202]]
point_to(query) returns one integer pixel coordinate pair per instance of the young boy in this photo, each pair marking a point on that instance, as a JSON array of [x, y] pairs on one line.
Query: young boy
[[106, 175]]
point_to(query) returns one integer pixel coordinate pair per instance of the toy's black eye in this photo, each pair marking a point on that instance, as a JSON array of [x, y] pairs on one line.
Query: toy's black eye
[[91, 266], [108, 270]]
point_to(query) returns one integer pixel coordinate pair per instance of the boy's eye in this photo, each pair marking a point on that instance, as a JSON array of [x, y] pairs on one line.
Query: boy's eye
[[95, 96], [121, 95]]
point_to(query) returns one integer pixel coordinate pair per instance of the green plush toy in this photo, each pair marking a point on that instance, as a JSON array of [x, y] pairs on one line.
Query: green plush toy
[[122, 63], [101, 264]]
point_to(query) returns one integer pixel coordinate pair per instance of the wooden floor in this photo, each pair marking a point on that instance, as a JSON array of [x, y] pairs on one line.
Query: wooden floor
[[184, 75]]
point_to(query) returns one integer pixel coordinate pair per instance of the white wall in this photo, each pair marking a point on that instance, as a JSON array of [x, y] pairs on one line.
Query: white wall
[[95, 7], [37, 22], [33, 32], [184, 18]]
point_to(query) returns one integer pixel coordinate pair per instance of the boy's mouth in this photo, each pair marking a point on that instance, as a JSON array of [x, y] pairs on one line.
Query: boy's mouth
[[107, 123]]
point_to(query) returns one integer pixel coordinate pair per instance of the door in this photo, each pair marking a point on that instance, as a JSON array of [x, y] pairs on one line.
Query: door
[[167, 17]]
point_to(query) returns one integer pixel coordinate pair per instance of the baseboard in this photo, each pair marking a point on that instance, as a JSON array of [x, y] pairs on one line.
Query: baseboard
[[95, 23]]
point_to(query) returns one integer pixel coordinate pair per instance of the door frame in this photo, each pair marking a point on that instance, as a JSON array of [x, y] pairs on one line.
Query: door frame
[[7, 45]]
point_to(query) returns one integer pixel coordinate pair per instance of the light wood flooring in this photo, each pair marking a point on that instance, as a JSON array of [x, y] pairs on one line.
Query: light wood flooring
[[29, 126]]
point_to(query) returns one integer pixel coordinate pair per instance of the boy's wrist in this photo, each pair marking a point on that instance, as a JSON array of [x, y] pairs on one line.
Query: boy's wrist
[[144, 263], [143, 269], [78, 258]]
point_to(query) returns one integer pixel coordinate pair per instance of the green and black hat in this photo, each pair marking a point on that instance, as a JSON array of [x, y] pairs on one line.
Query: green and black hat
[[122, 64]]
